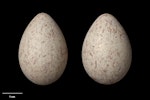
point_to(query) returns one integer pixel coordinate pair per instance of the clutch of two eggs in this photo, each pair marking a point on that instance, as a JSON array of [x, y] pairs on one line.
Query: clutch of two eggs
[[106, 51]]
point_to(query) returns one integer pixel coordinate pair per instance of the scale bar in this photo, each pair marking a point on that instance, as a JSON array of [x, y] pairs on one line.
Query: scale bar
[[12, 93]]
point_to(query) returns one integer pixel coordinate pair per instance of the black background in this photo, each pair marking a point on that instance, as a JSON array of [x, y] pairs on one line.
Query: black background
[[74, 18]]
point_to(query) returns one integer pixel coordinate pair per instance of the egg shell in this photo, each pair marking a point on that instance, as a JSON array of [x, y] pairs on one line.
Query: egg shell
[[43, 51], [106, 51]]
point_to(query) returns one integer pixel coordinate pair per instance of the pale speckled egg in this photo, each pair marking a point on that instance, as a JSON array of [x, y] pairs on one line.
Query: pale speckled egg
[[43, 52], [106, 51]]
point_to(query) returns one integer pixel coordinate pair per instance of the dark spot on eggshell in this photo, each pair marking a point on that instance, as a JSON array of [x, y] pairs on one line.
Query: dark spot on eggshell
[[91, 54], [105, 71], [95, 64]]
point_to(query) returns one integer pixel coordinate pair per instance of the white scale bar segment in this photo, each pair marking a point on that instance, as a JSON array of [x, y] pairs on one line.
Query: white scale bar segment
[[12, 93]]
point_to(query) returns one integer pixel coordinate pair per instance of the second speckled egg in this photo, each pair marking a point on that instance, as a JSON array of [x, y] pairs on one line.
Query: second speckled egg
[[106, 51]]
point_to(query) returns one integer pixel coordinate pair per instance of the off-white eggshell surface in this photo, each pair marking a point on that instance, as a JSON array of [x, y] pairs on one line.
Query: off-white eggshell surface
[[43, 51], [106, 51]]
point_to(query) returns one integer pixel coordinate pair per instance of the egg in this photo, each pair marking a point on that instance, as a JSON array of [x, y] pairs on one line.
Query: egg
[[106, 50], [43, 50]]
